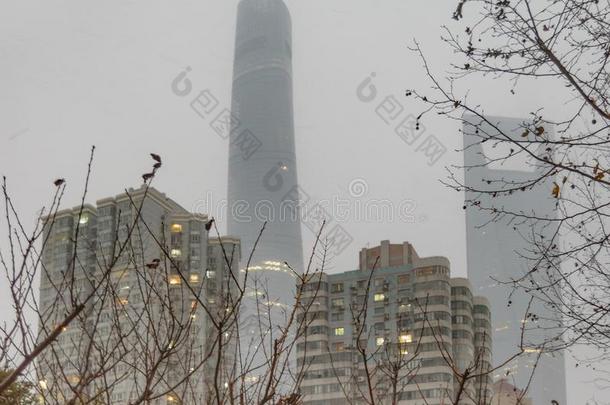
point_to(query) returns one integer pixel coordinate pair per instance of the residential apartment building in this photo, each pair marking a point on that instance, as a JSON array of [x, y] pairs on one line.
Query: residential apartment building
[[66, 267], [143, 261], [224, 254], [413, 322]]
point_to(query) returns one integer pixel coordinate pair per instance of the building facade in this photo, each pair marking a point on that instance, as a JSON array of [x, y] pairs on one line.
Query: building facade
[[262, 173], [507, 394], [224, 254], [262, 187], [498, 251], [143, 261], [58, 265], [411, 320]]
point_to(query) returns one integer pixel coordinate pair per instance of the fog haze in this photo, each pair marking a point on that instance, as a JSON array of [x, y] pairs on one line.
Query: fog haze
[[76, 74]]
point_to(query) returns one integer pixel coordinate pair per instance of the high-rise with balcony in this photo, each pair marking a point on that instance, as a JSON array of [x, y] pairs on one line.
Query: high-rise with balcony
[[224, 254], [149, 268], [413, 322], [66, 272]]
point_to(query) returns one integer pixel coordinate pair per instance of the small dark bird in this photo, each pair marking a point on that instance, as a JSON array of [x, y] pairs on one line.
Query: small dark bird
[[156, 157], [154, 264], [157, 165], [147, 176], [59, 182], [208, 225]]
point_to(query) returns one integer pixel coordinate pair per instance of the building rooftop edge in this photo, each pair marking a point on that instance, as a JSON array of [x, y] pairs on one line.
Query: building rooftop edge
[[173, 207]]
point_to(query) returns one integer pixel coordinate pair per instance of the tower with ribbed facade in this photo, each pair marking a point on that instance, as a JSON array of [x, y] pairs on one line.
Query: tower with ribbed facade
[[262, 181]]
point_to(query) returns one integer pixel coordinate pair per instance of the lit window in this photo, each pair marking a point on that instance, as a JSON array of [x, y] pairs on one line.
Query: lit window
[[174, 280], [405, 339], [337, 287], [123, 301], [84, 219], [176, 228], [176, 252], [380, 341], [210, 274], [194, 278], [339, 331], [404, 352], [43, 384], [379, 297], [251, 379]]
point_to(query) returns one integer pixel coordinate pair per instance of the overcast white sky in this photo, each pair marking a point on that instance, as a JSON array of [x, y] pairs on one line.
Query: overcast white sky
[[78, 73]]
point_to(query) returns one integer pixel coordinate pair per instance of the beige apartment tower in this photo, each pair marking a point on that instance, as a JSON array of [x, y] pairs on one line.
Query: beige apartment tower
[[149, 266], [414, 322]]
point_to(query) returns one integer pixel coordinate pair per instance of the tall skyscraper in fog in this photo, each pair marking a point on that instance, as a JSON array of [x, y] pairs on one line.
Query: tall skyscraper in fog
[[261, 182], [497, 251]]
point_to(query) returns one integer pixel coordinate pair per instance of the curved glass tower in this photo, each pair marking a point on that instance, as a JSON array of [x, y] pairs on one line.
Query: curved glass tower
[[262, 161]]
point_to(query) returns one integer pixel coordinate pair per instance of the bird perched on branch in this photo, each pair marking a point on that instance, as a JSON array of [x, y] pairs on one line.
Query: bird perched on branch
[[156, 157], [154, 264], [208, 225], [157, 165], [59, 182]]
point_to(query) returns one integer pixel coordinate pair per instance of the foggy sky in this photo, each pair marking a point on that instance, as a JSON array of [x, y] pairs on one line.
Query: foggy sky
[[77, 73]]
